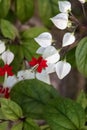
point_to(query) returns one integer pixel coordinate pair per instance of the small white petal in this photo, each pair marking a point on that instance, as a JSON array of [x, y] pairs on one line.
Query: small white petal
[[28, 74], [50, 68], [44, 39], [51, 55], [43, 76], [60, 20], [2, 47], [64, 6], [62, 69], [7, 57], [82, 1], [10, 81], [25, 74], [40, 50], [68, 39], [20, 75]]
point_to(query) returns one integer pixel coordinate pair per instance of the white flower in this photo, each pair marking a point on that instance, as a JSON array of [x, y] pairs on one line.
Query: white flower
[[60, 20], [7, 57], [30, 74], [68, 39], [62, 69], [82, 1], [44, 39], [25, 74], [64, 6], [2, 47], [43, 76], [10, 81], [51, 55]]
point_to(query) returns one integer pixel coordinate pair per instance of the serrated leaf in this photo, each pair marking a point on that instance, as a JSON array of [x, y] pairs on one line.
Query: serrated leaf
[[81, 56], [4, 7], [64, 114], [10, 109], [47, 9], [24, 9], [17, 126], [32, 95], [8, 29], [29, 124]]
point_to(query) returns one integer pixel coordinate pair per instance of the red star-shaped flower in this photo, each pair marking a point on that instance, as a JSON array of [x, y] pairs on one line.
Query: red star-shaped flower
[[6, 69], [40, 62]]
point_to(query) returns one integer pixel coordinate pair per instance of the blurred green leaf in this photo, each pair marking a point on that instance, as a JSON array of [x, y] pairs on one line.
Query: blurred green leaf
[[4, 7], [19, 56], [8, 29], [81, 56], [3, 125], [33, 32], [32, 96], [64, 114], [10, 109], [29, 124], [47, 9], [82, 99], [70, 57], [24, 9], [17, 126]]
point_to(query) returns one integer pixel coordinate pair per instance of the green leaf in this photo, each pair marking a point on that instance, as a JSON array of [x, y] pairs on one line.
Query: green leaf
[[64, 114], [10, 109], [4, 7], [24, 9], [17, 126], [29, 124], [47, 9], [8, 29], [33, 32], [81, 56], [70, 57], [32, 95], [28, 43], [3, 126], [82, 99], [19, 56]]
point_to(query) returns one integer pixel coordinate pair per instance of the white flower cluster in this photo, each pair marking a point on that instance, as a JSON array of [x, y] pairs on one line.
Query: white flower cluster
[[47, 51]]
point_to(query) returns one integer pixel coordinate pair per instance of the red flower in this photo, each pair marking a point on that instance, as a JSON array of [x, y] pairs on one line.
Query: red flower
[[40, 62], [6, 69], [5, 92]]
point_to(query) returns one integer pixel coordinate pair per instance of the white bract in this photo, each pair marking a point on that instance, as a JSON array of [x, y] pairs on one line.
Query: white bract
[[2, 47], [64, 6], [68, 39], [28, 74], [44, 39], [7, 57], [60, 20], [43, 76], [62, 69], [51, 55], [82, 1], [25, 74], [10, 81]]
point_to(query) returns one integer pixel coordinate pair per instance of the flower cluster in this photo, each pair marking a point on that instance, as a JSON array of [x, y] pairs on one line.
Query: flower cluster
[[49, 59], [7, 56]]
